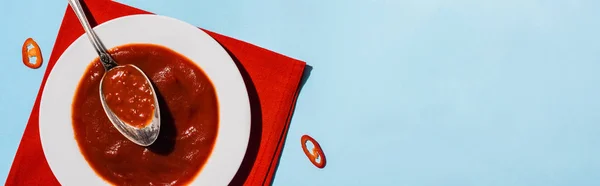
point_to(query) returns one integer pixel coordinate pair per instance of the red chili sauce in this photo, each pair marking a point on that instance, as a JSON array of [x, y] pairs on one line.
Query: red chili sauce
[[189, 120], [129, 95]]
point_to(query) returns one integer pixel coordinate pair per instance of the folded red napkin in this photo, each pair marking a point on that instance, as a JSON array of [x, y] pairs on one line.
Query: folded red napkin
[[272, 81]]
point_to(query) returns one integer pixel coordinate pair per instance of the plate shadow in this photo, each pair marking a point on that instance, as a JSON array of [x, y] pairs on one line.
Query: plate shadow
[[255, 126]]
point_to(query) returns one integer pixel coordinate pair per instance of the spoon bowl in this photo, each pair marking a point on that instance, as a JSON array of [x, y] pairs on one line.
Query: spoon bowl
[[144, 135]]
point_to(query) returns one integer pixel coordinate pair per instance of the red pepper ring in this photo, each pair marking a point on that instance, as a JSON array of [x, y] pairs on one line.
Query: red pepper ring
[[317, 152], [35, 51]]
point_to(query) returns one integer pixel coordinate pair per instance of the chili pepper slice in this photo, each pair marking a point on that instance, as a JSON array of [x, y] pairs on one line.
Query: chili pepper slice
[[35, 51], [315, 153]]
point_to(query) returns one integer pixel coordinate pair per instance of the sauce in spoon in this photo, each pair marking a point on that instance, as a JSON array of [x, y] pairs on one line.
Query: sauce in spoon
[[129, 95]]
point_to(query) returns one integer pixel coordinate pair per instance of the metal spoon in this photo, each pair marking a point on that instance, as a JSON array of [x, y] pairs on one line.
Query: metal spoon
[[142, 136]]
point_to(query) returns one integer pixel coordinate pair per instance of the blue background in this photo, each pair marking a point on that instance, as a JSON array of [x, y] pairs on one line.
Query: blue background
[[402, 92]]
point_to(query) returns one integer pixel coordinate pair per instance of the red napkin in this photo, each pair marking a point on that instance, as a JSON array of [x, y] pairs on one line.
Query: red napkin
[[272, 81]]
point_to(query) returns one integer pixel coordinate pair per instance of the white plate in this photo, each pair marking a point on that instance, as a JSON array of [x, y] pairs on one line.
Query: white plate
[[56, 132]]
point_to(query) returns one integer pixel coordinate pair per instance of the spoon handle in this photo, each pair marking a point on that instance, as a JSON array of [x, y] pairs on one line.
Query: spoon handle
[[105, 58]]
